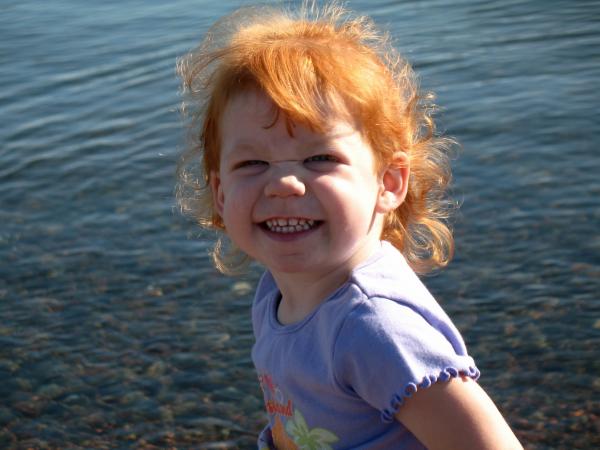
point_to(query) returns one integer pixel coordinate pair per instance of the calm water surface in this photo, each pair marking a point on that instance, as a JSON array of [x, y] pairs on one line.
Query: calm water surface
[[115, 331]]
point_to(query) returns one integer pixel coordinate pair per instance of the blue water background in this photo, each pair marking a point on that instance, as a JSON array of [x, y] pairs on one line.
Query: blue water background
[[115, 330]]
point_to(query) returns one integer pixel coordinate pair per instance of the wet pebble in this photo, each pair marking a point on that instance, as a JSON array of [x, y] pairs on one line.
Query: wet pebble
[[190, 360], [185, 407], [154, 291], [131, 397], [251, 403], [76, 400], [213, 376], [47, 304], [8, 366], [6, 416], [31, 407], [241, 288], [156, 369], [218, 338], [148, 409], [7, 438], [227, 393], [166, 414], [23, 384], [51, 391], [149, 386], [221, 445], [158, 348], [188, 380]]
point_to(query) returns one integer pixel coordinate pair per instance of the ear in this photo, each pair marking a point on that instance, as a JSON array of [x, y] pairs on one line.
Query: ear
[[217, 192], [394, 183]]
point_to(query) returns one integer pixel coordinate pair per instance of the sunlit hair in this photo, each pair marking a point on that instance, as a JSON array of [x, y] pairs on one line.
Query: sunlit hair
[[307, 61]]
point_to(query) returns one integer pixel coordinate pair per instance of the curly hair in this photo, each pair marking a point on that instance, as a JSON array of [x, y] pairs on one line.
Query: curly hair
[[304, 60]]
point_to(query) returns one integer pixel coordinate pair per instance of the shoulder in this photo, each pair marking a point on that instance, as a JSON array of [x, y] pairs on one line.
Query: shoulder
[[387, 274], [397, 338], [386, 326], [382, 329], [386, 350]]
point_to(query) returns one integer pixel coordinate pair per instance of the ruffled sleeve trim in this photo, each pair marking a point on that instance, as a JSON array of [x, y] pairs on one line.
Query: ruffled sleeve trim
[[445, 375]]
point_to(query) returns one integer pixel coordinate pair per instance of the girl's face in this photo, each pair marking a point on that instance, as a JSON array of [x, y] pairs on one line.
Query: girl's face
[[300, 202]]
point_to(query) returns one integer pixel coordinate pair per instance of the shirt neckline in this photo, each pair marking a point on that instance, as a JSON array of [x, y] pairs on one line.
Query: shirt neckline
[[275, 297]]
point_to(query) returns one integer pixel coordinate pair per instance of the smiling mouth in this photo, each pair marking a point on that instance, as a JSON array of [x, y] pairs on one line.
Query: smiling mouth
[[290, 225]]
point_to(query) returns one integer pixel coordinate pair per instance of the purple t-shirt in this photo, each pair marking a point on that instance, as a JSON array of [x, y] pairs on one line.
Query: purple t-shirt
[[336, 378]]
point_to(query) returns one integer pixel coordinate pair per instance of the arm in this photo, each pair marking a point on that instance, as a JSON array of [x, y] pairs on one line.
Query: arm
[[457, 414]]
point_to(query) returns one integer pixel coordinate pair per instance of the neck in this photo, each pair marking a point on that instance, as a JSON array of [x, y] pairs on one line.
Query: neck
[[302, 293]]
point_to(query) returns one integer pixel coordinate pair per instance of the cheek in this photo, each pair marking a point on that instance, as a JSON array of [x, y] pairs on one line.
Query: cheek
[[350, 192], [237, 200], [351, 202]]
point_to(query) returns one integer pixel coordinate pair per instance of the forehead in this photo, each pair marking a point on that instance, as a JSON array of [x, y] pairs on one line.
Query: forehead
[[318, 112], [251, 110], [251, 103], [252, 120]]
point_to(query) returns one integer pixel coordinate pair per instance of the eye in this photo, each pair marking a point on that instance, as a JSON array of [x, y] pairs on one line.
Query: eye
[[325, 162], [321, 158], [250, 163]]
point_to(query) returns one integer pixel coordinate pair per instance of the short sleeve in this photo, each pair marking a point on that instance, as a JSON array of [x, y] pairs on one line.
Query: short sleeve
[[386, 351]]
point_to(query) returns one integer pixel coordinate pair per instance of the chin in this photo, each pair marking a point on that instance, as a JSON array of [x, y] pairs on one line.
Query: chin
[[288, 267]]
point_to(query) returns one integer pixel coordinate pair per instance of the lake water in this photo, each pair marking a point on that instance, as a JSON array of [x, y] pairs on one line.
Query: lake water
[[116, 332]]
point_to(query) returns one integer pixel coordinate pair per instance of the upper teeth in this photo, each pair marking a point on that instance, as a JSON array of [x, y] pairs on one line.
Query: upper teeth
[[282, 225]]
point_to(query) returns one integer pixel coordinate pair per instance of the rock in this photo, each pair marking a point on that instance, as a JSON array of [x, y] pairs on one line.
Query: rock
[[6, 416], [51, 391], [241, 288], [156, 369], [32, 408]]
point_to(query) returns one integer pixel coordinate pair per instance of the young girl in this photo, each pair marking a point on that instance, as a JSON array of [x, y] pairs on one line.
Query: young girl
[[318, 160]]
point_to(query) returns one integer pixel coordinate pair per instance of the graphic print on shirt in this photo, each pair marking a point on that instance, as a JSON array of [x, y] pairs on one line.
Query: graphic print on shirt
[[289, 430]]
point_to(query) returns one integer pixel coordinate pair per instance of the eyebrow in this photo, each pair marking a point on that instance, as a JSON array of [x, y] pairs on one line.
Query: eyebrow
[[325, 140], [249, 145]]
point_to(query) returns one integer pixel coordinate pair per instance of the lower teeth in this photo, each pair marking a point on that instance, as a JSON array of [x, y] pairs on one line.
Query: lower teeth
[[292, 226], [290, 229]]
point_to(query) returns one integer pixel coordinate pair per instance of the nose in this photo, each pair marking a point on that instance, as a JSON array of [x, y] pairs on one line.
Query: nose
[[284, 183]]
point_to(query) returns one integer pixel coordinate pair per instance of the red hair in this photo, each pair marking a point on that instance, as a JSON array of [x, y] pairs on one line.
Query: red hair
[[307, 62]]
